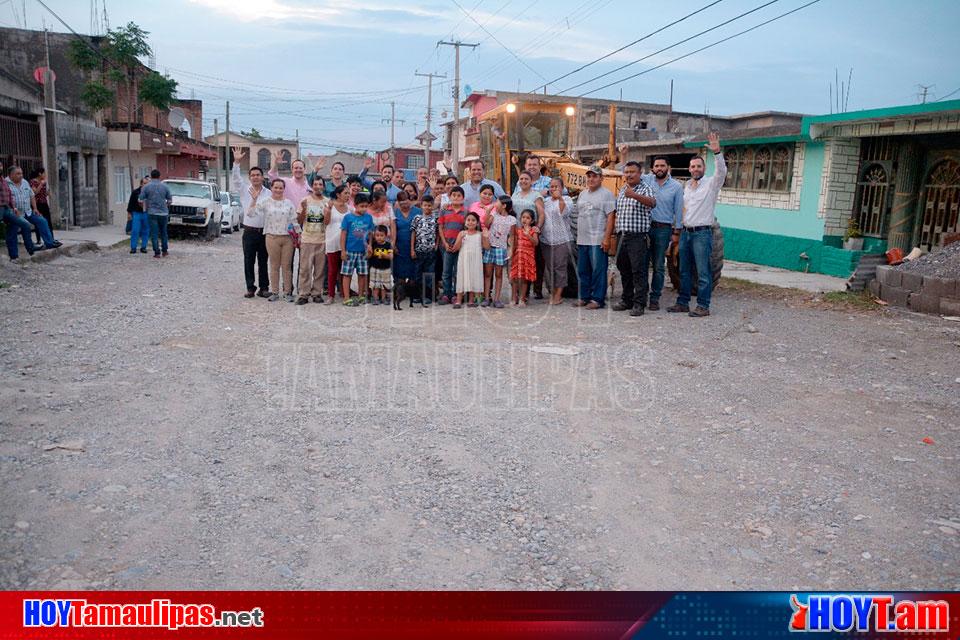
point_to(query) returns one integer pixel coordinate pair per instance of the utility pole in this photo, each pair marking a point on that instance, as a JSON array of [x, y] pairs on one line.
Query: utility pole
[[924, 88], [455, 130], [226, 142], [426, 140], [393, 124], [216, 137], [50, 124]]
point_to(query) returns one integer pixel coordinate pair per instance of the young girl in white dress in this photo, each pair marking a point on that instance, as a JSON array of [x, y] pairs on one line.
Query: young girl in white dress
[[470, 243]]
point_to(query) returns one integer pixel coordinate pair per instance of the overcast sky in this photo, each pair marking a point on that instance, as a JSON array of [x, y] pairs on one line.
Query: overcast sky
[[330, 68]]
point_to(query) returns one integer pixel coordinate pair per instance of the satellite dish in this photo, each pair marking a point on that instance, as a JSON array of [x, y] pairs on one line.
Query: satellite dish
[[176, 117]]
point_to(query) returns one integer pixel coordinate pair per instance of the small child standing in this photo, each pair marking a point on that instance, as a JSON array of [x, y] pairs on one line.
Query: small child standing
[[423, 247], [449, 226], [500, 225], [523, 263], [380, 255], [354, 236], [470, 245]]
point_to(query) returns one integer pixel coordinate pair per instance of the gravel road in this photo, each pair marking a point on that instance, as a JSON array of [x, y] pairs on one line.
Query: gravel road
[[158, 430]]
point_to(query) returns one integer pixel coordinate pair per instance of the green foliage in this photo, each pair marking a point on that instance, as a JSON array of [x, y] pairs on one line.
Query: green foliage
[[853, 229], [126, 45], [96, 96], [253, 134], [116, 76], [122, 48], [83, 56], [157, 90]]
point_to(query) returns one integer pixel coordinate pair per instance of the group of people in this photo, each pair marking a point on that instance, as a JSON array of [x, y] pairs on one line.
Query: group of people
[[148, 213], [25, 207], [364, 236]]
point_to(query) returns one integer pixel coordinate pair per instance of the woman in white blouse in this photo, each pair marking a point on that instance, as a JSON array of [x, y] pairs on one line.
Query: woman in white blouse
[[279, 219], [555, 239]]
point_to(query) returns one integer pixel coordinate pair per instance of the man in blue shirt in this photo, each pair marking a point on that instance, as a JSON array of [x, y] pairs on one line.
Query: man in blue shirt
[[471, 188], [666, 221], [155, 198], [386, 175]]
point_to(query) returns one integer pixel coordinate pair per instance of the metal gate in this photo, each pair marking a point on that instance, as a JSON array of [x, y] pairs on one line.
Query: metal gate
[[941, 203], [20, 143], [872, 201]]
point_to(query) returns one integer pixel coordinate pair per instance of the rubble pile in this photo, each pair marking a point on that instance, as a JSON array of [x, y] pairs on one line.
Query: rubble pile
[[942, 263]]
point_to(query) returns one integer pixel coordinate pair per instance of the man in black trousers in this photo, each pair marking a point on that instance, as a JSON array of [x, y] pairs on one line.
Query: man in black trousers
[[252, 191], [634, 203]]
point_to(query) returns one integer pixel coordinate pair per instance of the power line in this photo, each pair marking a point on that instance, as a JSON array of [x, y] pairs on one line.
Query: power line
[[753, 28], [675, 44], [579, 13], [264, 89], [497, 40], [627, 46], [948, 95]]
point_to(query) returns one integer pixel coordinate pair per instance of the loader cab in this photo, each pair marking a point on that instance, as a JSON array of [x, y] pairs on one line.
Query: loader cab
[[509, 132]]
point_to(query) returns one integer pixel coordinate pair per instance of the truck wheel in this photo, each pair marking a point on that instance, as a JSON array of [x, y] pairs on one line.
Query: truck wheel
[[211, 231], [716, 261]]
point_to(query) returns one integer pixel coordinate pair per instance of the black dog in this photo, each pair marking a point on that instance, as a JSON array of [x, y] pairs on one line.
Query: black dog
[[403, 288]]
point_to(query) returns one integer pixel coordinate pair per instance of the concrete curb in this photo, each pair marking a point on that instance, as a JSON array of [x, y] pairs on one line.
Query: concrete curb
[[73, 249], [917, 292]]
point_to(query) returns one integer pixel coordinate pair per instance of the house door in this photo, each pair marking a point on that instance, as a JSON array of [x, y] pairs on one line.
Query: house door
[[940, 203]]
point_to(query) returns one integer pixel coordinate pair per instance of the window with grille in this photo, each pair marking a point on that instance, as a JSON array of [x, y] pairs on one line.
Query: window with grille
[[759, 167]]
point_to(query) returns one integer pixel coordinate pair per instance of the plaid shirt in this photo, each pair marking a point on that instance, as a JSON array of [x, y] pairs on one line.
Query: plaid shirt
[[21, 196], [632, 216], [6, 197]]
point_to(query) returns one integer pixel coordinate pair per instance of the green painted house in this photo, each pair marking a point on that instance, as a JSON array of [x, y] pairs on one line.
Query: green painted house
[[791, 191]]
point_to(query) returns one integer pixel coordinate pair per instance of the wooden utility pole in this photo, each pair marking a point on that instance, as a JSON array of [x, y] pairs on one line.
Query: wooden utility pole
[[226, 143], [426, 142], [216, 138], [393, 124], [455, 130]]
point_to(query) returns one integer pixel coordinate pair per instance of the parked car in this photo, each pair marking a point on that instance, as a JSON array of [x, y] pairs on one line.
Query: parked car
[[196, 207], [231, 213], [235, 203]]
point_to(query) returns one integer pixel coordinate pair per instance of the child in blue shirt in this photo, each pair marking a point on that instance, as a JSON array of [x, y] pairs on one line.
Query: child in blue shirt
[[354, 242]]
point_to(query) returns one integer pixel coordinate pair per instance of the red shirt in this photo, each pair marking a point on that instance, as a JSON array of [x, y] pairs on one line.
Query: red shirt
[[450, 224], [6, 196]]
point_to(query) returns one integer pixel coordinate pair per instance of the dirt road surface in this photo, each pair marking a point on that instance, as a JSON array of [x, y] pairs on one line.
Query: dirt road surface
[[158, 430]]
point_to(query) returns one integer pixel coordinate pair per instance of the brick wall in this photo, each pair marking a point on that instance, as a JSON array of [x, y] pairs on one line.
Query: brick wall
[[838, 184], [771, 199]]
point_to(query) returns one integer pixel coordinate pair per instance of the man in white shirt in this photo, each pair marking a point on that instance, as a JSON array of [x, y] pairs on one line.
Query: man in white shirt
[[696, 240], [254, 242]]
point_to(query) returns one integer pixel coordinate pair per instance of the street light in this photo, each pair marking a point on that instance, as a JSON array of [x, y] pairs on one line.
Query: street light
[[569, 110], [511, 107]]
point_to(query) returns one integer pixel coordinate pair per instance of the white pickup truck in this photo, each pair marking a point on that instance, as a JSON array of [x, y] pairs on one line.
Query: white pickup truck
[[196, 207]]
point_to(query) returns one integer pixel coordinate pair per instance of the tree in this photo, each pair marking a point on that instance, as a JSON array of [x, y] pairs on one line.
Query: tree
[[114, 62], [253, 134]]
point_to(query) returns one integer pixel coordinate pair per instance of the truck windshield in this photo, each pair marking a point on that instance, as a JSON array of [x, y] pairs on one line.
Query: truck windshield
[[189, 189], [539, 131]]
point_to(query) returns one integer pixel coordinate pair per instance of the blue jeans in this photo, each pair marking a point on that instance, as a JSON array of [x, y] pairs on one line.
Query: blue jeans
[[592, 271], [139, 229], [425, 265], [17, 225], [43, 228], [158, 227], [659, 241], [450, 273], [695, 250]]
